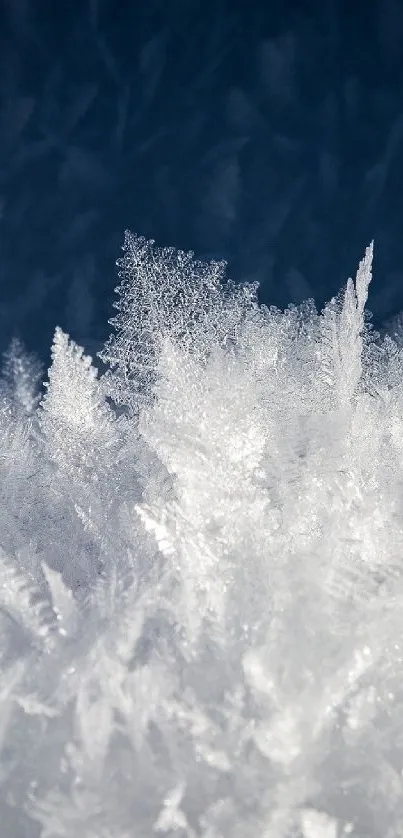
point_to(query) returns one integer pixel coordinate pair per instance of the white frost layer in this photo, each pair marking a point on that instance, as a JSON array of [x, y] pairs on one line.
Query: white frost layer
[[201, 591]]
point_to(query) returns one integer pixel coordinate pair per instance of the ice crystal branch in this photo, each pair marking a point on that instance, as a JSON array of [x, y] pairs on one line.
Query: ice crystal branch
[[164, 291]]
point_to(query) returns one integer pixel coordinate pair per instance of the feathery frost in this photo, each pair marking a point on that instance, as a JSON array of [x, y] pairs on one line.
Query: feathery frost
[[201, 569]]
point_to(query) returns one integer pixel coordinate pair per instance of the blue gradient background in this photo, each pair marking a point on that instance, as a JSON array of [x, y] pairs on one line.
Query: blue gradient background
[[269, 134]]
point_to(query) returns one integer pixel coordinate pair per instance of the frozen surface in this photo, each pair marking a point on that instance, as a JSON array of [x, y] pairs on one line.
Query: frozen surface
[[201, 585]]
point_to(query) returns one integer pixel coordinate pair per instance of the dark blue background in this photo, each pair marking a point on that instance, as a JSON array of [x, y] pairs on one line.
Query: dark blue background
[[270, 134]]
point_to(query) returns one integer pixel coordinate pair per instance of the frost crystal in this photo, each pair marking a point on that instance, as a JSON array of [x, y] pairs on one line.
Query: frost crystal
[[201, 586], [20, 378]]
